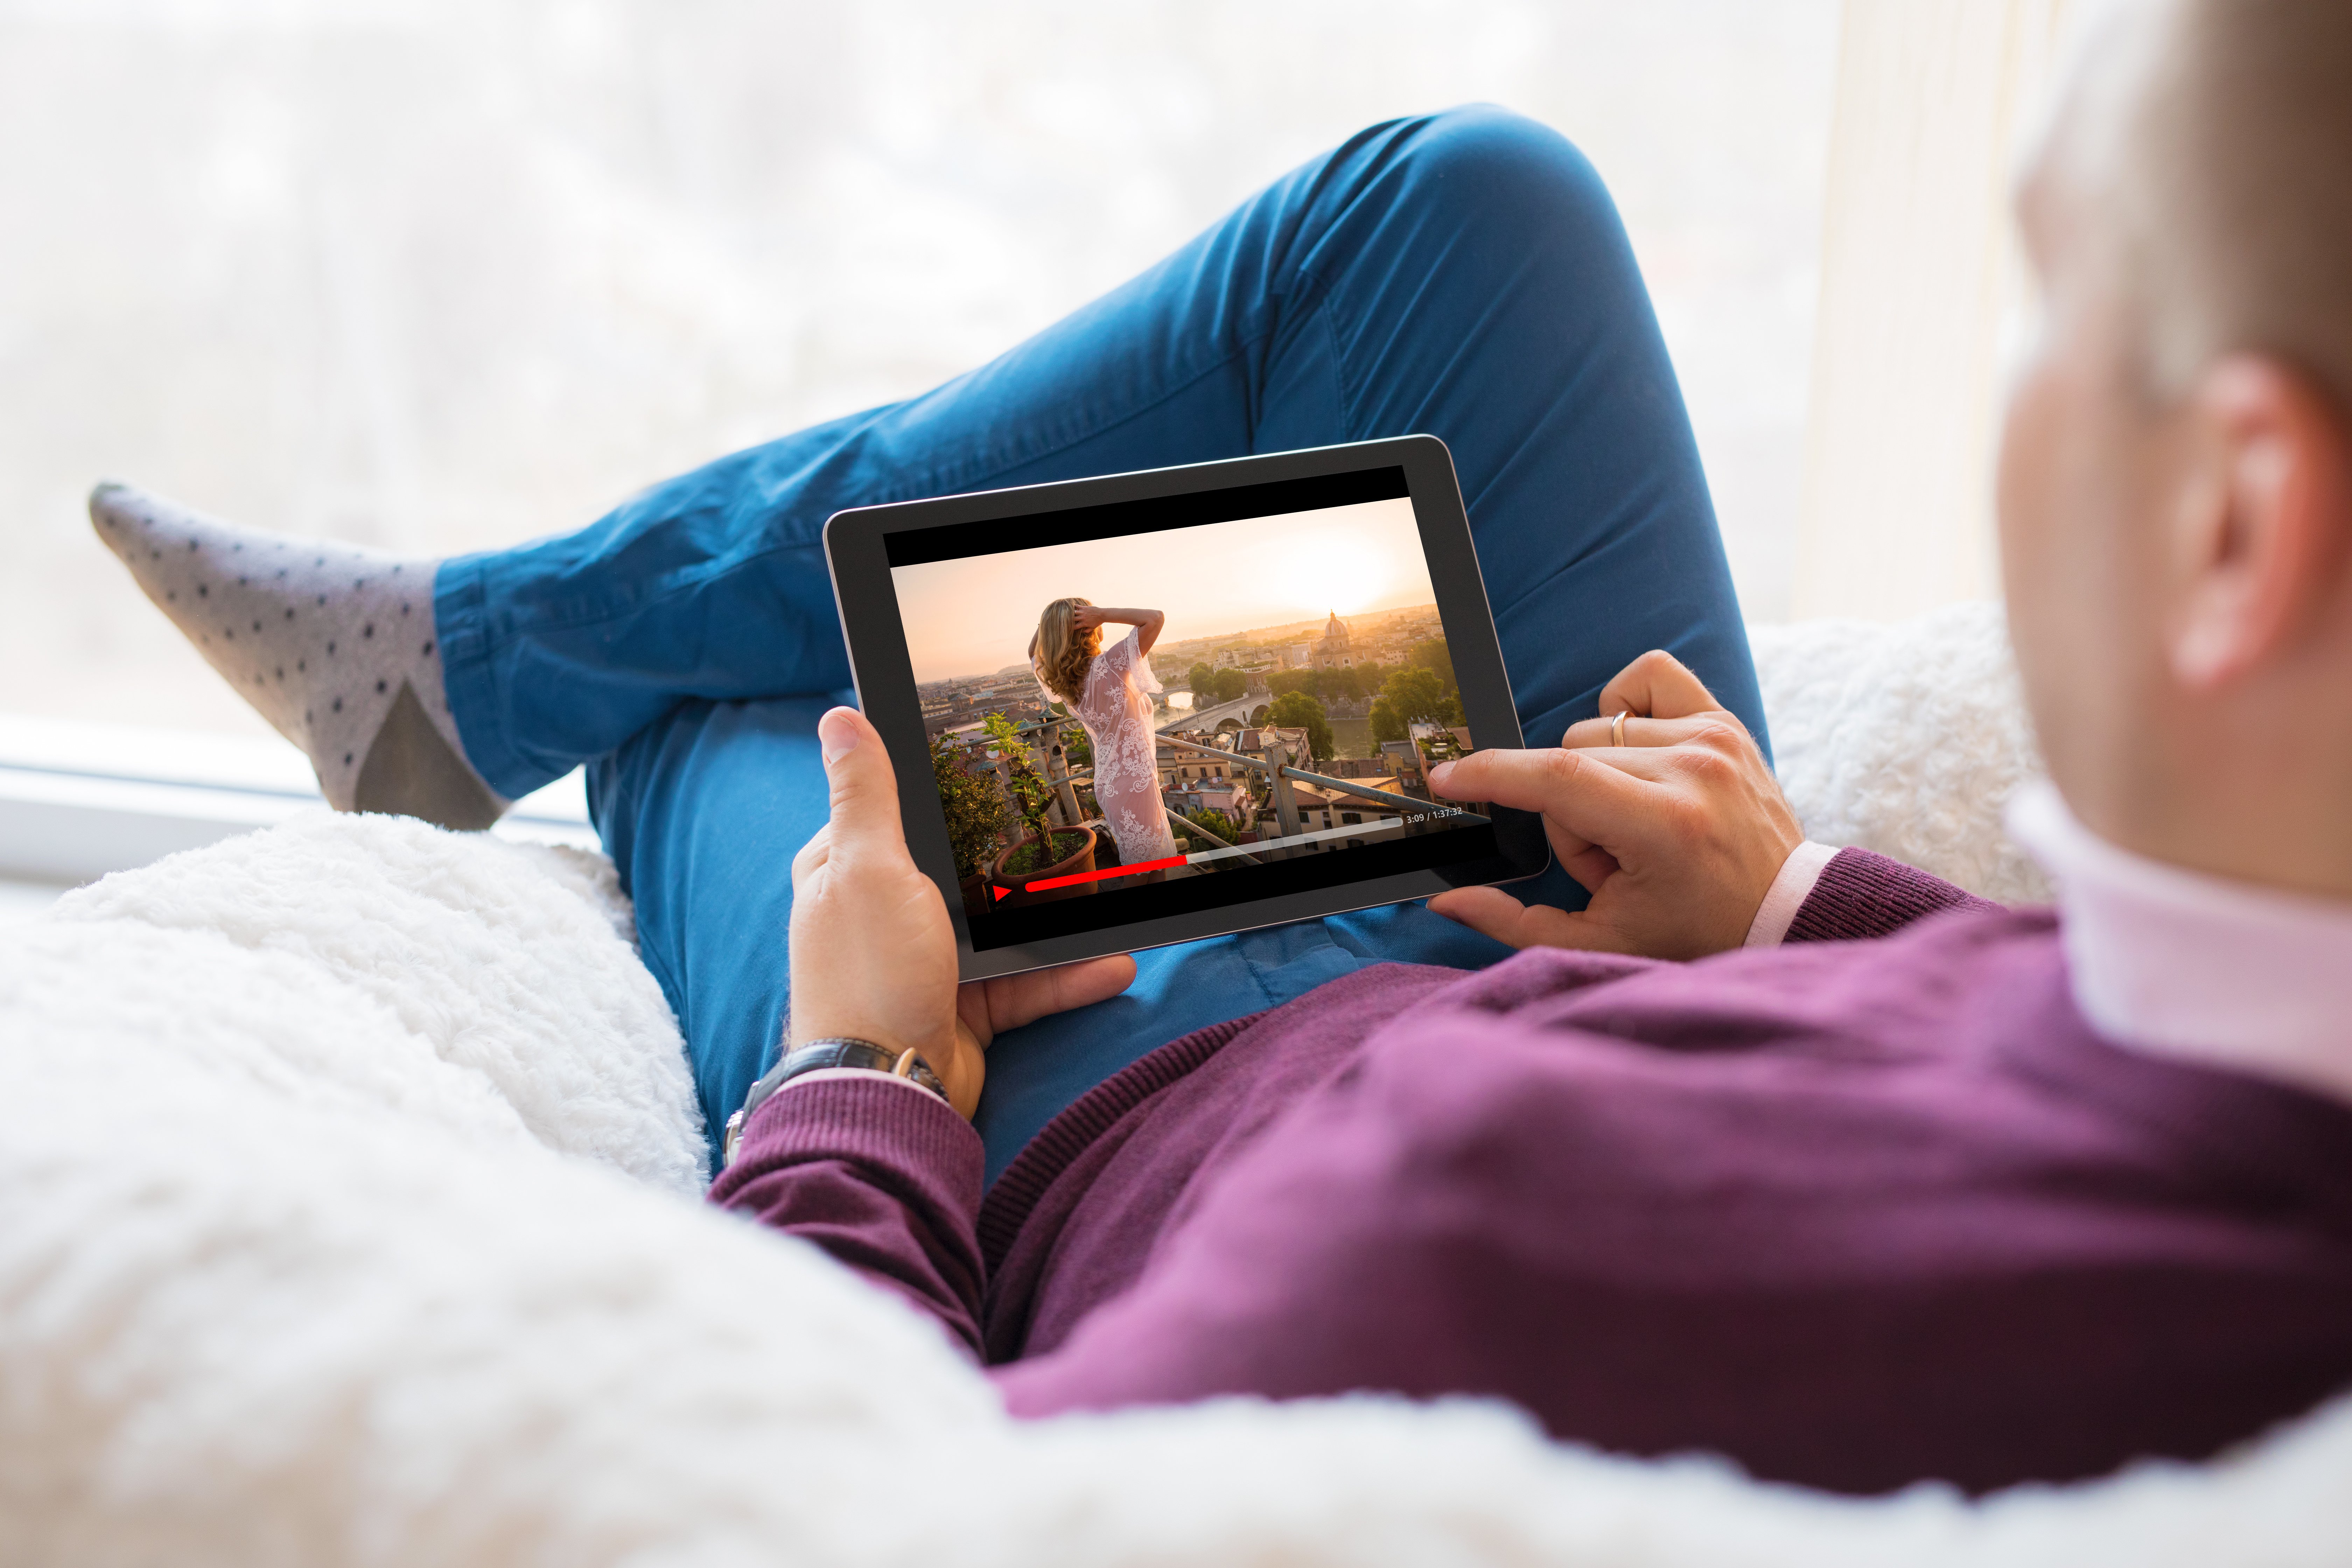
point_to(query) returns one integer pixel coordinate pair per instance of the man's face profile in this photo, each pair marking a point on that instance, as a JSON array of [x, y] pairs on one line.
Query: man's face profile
[[2174, 507], [2079, 455]]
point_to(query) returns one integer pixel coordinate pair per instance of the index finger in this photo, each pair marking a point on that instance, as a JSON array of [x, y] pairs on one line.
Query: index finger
[[1597, 803], [1657, 685]]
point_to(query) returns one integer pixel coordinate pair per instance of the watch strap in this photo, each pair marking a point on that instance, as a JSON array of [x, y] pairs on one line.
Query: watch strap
[[815, 1055]]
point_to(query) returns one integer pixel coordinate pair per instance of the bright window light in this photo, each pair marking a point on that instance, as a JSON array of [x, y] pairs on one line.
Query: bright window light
[[443, 276]]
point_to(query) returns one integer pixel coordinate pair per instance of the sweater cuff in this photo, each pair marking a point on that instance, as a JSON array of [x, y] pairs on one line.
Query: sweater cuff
[[1859, 895], [867, 1118], [848, 1075], [1789, 892]]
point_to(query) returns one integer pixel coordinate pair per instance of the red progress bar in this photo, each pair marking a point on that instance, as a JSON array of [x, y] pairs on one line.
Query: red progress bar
[[1097, 876]]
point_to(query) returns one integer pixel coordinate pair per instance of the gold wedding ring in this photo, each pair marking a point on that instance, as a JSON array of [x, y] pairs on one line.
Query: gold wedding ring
[[1617, 728]]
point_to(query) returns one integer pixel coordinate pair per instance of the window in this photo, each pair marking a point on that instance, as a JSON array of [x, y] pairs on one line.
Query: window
[[442, 278], [1350, 819], [550, 254]]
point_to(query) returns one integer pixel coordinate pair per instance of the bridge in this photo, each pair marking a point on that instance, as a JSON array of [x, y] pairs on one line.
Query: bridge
[[1239, 710]]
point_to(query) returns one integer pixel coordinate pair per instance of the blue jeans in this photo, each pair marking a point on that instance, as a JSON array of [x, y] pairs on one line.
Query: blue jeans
[[1463, 274]]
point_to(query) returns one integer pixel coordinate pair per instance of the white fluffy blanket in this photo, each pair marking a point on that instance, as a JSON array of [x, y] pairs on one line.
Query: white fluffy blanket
[[1907, 739], [348, 1214]]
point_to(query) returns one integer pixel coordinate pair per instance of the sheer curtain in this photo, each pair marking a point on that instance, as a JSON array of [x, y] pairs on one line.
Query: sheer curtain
[[438, 275], [444, 274], [1921, 284]]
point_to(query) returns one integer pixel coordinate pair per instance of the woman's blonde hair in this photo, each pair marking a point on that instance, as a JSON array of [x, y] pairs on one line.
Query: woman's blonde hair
[[1062, 652]]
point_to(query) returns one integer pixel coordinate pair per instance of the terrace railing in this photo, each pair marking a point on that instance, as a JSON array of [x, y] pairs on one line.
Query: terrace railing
[[1061, 777], [1273, 761]]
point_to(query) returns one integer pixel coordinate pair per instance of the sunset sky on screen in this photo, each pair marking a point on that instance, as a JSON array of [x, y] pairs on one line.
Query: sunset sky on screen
[[976, 616]]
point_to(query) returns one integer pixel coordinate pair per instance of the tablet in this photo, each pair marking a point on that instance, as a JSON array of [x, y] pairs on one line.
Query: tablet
[[1287, 644]]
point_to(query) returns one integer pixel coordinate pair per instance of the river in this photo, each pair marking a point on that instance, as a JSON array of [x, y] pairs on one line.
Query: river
[[1352, 737]]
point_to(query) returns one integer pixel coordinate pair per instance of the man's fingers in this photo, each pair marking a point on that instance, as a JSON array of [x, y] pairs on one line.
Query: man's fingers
[[1592, 733], [1069, 986], [865, 791], [1590, 865], [1488, 910], [1596, 802], [1012, 1000], [1496, 913], [1657, 685]]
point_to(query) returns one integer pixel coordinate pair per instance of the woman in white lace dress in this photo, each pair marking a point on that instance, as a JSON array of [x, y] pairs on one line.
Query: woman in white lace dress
[[1109, 690]]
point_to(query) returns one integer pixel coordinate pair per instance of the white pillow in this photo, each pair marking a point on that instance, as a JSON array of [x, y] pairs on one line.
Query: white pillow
[[1906, 739]]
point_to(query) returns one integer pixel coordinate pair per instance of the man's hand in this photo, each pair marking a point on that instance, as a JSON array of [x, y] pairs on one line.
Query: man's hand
[[873, 953], [1677, 834]]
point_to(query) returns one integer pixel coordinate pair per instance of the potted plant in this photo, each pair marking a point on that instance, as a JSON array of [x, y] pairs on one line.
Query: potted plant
[[974, 807], [1044, 851]]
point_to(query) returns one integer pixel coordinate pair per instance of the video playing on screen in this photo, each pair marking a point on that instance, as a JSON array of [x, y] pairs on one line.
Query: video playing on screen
[[1244, 704]]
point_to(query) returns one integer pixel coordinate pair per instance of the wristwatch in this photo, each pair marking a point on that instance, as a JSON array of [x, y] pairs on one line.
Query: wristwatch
[[817, 1054]]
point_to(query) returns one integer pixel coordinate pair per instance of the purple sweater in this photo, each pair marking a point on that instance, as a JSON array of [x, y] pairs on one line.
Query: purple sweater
[[1852, 1212]]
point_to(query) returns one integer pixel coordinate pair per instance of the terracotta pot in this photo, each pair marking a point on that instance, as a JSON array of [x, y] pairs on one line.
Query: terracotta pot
[[1084, 860]]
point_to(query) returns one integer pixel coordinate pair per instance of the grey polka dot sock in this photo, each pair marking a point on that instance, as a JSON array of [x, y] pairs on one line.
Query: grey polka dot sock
[[334, 646]]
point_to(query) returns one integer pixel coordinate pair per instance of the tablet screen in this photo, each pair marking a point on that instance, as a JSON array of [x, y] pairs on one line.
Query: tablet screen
[[1150, 709]]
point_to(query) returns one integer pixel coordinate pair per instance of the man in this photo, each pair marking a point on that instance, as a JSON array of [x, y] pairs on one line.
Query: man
[[1990, 1197], [1994, 1196]]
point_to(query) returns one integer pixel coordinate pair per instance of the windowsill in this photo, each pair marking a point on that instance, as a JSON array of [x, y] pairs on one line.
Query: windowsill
[[21, 901], [79, 800]]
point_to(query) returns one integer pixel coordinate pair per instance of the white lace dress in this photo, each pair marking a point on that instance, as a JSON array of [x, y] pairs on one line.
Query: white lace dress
[[1115, 707]]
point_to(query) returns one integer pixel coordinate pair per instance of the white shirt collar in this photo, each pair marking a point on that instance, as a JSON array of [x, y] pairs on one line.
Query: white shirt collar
[[2181, 964]]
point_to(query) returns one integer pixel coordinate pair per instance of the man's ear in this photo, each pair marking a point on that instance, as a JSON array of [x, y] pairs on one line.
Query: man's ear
[[2264, 524]]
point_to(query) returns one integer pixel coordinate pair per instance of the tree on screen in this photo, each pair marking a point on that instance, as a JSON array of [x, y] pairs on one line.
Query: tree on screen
[[1345, 684], [1417, 694], [1282, 682], [1296, 710], [1203, 683], [1435, 656]]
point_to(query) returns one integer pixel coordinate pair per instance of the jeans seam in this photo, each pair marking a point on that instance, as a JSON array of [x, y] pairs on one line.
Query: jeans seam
[[1341, 393], [472, 664]]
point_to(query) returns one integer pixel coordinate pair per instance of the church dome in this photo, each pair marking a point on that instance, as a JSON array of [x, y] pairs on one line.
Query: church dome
[[1332, 651]]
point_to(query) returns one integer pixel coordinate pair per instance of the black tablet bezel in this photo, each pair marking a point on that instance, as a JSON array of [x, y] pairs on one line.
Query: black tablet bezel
[[856, 548]]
